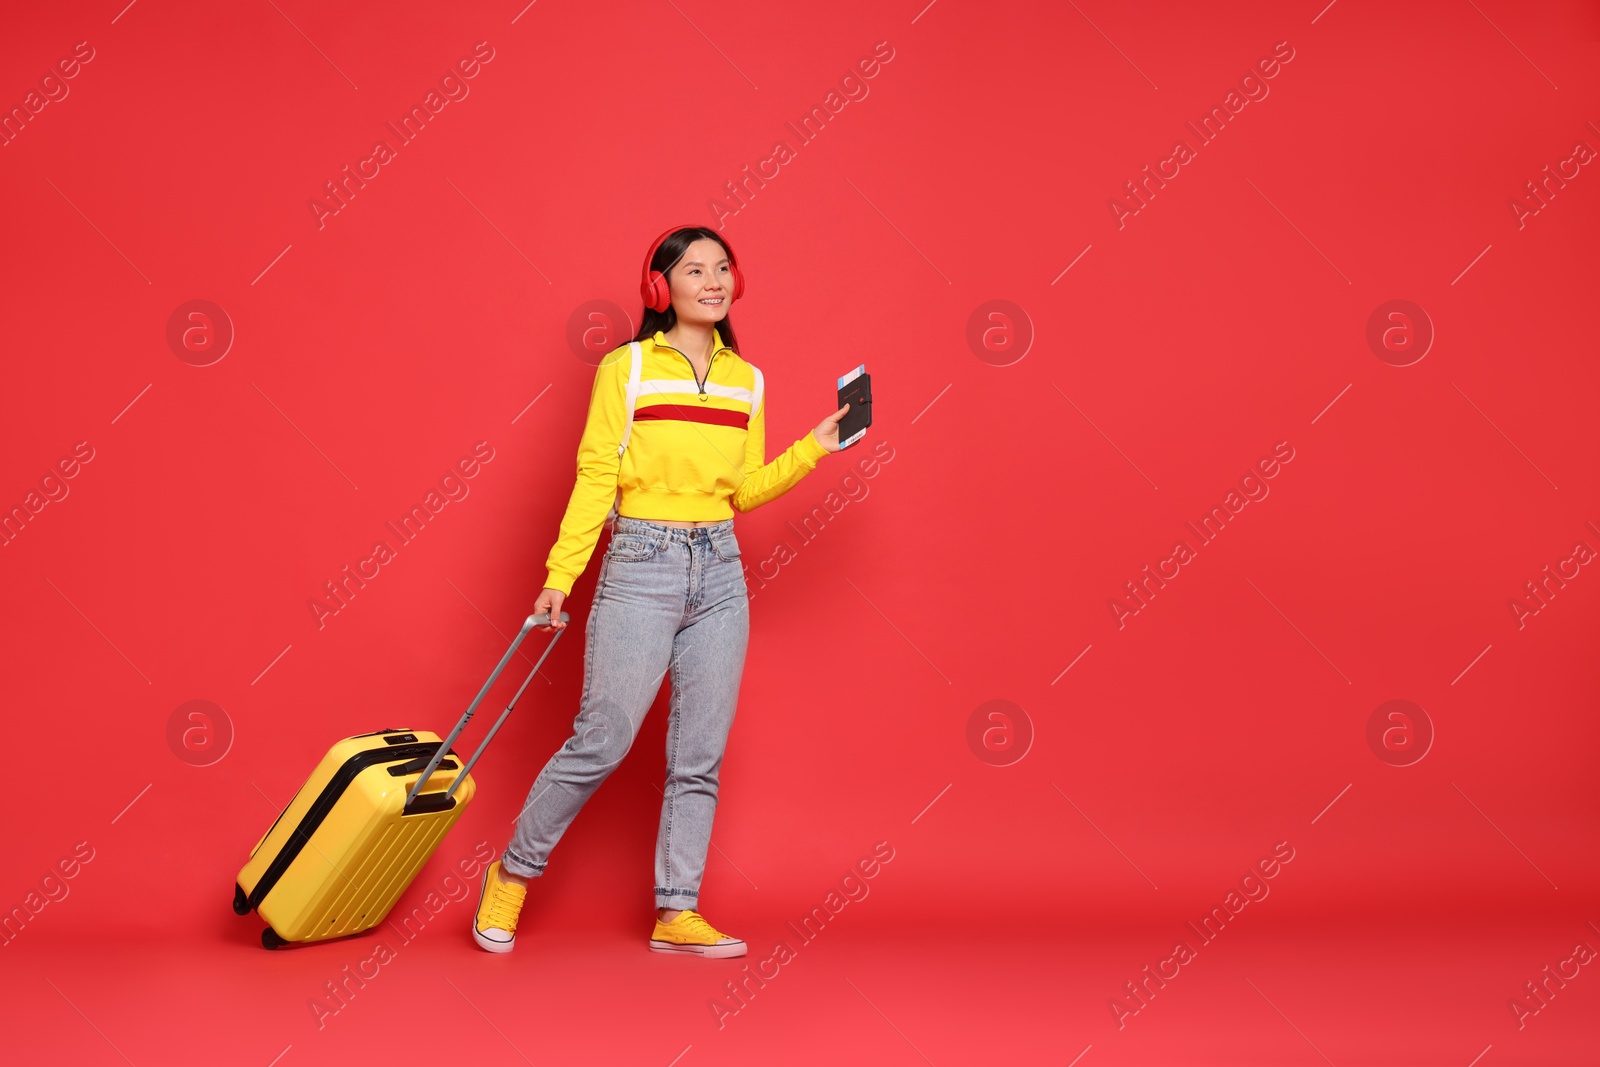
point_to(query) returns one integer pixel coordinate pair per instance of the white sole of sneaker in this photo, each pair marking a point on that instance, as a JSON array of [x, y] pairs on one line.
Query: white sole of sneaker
[[715, 952], [487, 943]]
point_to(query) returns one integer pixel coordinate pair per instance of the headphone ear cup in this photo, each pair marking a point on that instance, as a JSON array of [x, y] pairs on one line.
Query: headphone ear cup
[[656, 291]]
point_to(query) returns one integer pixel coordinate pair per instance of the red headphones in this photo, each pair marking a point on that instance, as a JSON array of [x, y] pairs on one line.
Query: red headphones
[[655, 290]]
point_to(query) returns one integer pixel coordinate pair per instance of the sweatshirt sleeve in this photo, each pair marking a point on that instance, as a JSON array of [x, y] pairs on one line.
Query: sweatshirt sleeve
[[765, 482], [595, 489]]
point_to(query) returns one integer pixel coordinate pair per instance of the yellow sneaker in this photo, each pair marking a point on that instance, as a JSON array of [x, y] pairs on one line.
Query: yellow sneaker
[[689, 932], [499, 904]]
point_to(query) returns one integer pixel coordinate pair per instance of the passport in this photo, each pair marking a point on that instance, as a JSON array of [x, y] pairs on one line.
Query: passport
[[855, 389]]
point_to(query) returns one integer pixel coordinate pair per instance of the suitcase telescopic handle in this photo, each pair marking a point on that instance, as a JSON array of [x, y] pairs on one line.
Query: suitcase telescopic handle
[[541, 619]]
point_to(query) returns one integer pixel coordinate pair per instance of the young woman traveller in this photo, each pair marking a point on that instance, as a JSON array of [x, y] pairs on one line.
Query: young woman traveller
[[671, 593]]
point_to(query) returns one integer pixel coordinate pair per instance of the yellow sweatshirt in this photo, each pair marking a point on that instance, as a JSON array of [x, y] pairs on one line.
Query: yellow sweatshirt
[[696, 452]]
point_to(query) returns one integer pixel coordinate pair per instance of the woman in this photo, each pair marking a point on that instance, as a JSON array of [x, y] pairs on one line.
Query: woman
[[671, 594]]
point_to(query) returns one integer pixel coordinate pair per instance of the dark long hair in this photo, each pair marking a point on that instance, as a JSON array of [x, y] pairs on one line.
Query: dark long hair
[[672, 250]]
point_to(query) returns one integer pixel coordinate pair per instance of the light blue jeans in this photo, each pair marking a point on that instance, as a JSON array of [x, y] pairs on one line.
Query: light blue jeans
[[668, 598]]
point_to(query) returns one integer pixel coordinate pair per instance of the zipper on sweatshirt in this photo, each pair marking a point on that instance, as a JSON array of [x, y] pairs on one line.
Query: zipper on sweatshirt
[[700, 383]]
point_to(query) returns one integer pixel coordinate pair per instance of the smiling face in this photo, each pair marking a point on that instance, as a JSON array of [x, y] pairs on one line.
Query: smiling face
[[702, 283]]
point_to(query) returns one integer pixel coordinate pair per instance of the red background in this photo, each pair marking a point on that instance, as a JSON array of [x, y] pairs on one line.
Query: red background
[[1012, 500]]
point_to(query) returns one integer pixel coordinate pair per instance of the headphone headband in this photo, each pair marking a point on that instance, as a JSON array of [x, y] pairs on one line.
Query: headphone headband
[[653, 286]]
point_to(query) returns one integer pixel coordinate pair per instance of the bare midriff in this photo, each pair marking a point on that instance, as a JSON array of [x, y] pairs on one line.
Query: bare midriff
[[681, 524]]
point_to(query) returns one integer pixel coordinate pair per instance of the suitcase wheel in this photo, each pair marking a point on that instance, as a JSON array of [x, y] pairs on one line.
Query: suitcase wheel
[[241, 903], [270, 939]]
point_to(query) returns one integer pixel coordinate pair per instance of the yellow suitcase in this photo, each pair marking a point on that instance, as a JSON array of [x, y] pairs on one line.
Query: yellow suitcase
[[364, 825]]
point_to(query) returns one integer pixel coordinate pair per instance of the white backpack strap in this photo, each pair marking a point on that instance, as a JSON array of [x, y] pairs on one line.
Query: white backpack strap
[[635, 369], [755, 405]]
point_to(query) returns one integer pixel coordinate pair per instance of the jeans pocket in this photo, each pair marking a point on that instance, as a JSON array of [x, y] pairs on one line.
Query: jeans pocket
[[631, 548], [726, 546]]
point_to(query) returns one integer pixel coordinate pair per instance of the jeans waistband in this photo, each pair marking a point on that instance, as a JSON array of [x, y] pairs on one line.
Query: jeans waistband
[[660, 531]]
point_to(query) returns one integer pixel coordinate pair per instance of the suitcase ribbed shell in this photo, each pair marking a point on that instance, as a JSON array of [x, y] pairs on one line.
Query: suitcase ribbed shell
[[342, 852]]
